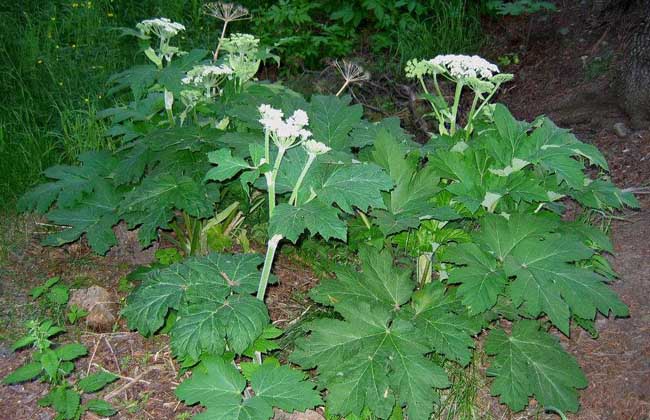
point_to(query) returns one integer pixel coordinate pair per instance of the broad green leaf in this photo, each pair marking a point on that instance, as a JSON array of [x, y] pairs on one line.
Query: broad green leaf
[[205, 327], [481, 281], [331, 119], [217, 385], [50, 362], [94, 215], [100, 407], [375, 356], [379, 283], [23, 373], [151, 204], [601, 194], [352, 185], [211, 295], [449, 333], [96, 381], [530, 362], [409, 201], [71, 351], [227, 165], [71, 183], [65, 401], [314, 216]]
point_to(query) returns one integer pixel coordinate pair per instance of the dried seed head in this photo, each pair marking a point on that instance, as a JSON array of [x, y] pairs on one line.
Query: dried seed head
[[351, 72], [227, 12]]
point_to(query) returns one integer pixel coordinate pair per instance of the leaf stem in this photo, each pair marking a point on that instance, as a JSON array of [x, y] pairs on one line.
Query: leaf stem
[[301, 178], [454, 110], [272, 245], [270, 179]]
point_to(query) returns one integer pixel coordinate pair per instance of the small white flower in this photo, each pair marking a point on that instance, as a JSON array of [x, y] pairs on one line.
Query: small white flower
[[315, 148], [299, 117]]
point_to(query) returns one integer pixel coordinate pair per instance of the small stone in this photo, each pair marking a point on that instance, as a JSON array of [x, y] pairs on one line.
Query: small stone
[[621, 130], [101, 305], [307, 415]]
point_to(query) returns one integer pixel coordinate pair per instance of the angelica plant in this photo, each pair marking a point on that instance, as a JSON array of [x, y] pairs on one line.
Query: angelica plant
[[473, 72], [164, 29], [209, 78]]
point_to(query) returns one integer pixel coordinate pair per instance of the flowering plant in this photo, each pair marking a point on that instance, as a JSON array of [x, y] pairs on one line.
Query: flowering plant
[[473, 72]]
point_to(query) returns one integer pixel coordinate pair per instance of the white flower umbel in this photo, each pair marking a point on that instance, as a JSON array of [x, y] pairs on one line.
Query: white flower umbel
[[285, 134], [160, 27], [207, 77], [474, 72], [466, 66], [315, 148], [164, 29]]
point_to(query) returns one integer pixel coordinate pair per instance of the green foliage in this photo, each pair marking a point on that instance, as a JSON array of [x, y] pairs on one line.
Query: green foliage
[[53, 364], [376, 356], [212, 297], [217, 385], [532, 362], [520, 7]]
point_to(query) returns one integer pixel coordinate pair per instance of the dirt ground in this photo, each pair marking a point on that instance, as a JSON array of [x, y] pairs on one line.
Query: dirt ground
[[567, 70]]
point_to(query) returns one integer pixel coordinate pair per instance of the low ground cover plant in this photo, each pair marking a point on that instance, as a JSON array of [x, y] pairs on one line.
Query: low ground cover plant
[[477, 211]]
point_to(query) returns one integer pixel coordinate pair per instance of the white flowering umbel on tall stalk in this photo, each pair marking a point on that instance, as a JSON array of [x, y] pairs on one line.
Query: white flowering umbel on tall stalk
[[284, 134], [163, 29], [208, 78], [475, 73]]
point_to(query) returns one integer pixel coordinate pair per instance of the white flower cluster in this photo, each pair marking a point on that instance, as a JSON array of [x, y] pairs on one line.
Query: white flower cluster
[[456, 66], [161, 27], [315, 148], [206, 75], [284, 132], [465, 66]]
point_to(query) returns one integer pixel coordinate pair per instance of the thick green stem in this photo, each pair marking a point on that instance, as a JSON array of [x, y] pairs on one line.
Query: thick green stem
[[268, 262], [301, 178], [454, 110], [270, 179], [470, 117], [365, 220]]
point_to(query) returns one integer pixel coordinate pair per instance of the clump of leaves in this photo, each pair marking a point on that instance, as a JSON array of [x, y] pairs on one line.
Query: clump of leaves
[[54, 364], [226, 393], [377, 356]]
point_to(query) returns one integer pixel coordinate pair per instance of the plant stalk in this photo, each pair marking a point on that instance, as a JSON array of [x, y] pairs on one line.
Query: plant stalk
[[223, 35], [454, 111], [301, 178], [270, 179], [347, 82], [271, 247]]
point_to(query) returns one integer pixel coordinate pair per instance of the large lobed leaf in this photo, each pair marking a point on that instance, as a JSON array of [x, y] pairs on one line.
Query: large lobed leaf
[[523, 259], [375, 357], [217, 385], [212, 295], [530, 362]]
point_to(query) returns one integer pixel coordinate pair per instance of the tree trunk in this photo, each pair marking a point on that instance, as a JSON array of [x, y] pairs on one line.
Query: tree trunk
[[635, 73]]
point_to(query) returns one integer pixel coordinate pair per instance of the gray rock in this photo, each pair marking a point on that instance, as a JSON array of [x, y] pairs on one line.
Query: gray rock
[[101, 305], [621, 130], [307, 415]]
